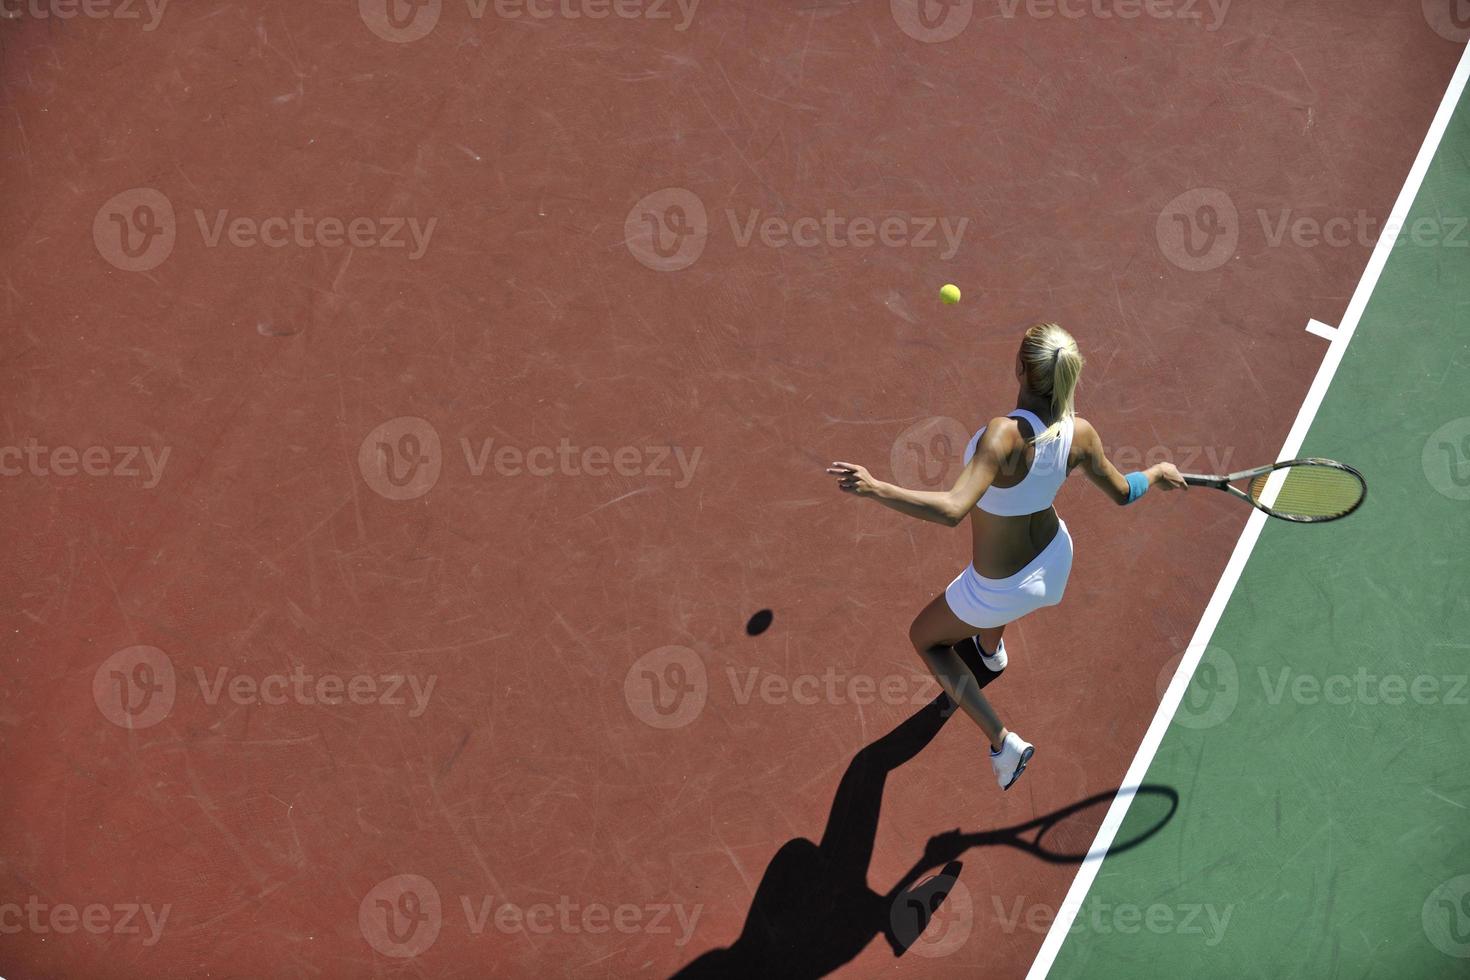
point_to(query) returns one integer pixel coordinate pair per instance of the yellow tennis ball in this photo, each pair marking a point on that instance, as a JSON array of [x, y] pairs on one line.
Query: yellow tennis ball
[[950, 294]]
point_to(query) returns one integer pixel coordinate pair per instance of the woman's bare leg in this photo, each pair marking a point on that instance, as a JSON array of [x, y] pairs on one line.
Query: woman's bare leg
[[934, 633]]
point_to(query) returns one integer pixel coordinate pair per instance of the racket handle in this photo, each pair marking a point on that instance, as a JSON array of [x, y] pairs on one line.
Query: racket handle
[[1196, 480]]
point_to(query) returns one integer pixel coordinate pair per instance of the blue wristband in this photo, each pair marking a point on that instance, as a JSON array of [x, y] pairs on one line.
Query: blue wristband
[[1137, 486]]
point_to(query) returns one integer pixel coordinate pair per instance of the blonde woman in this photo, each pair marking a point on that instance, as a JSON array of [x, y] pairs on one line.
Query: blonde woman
[[1014, 467]]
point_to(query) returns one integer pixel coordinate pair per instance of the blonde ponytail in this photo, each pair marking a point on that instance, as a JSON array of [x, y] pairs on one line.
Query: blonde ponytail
[[1053, 368]]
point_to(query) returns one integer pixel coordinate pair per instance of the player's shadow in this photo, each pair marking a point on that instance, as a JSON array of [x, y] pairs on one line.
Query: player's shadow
[[813, 910]]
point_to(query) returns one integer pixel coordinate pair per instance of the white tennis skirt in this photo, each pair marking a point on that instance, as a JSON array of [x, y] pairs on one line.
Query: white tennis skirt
[[985, 603]]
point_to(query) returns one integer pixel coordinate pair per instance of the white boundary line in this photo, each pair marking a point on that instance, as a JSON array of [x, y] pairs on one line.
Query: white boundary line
[[1321, 329], [1087, 873]]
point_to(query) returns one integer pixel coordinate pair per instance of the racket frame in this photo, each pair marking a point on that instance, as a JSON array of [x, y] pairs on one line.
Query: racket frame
[[1224, 483]]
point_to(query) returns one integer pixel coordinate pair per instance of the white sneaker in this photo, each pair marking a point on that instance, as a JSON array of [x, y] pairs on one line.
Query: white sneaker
[[1011, 760], [998, 662]]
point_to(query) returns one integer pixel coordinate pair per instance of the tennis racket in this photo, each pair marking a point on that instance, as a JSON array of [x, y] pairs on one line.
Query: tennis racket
[[1306, 491], [1065, 836]]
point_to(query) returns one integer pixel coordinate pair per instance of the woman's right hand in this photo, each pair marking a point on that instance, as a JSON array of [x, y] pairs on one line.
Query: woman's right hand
[[1166, 476], [853, 478]]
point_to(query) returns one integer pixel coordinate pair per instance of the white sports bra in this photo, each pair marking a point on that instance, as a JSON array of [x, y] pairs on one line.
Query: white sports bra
[[1039, 487]]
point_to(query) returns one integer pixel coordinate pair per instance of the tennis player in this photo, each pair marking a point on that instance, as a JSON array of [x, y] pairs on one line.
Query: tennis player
[[1022, 551]]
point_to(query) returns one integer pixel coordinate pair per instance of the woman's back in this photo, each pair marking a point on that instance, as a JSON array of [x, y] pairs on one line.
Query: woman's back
[[1014, 520]]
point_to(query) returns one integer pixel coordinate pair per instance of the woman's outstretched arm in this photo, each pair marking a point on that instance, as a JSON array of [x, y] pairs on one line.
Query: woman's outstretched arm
[[948, 507], [1105, 476]]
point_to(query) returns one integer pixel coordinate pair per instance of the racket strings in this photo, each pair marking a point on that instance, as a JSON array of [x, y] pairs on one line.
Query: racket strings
[[1312, 491]]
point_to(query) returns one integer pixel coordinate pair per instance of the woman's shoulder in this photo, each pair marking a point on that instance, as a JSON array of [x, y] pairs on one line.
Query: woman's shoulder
[[1001, 435]]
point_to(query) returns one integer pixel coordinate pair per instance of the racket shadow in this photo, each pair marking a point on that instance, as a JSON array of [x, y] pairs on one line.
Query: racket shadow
[[813, 910]]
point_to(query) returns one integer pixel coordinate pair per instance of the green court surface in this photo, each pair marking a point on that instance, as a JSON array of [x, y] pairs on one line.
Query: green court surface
[[1320, 749]]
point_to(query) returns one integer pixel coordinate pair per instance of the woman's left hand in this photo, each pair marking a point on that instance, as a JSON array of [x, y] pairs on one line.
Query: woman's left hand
[[853, 478]]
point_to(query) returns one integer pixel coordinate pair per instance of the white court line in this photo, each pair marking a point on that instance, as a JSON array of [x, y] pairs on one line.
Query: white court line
[[1321, 329], [1087, 873]]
